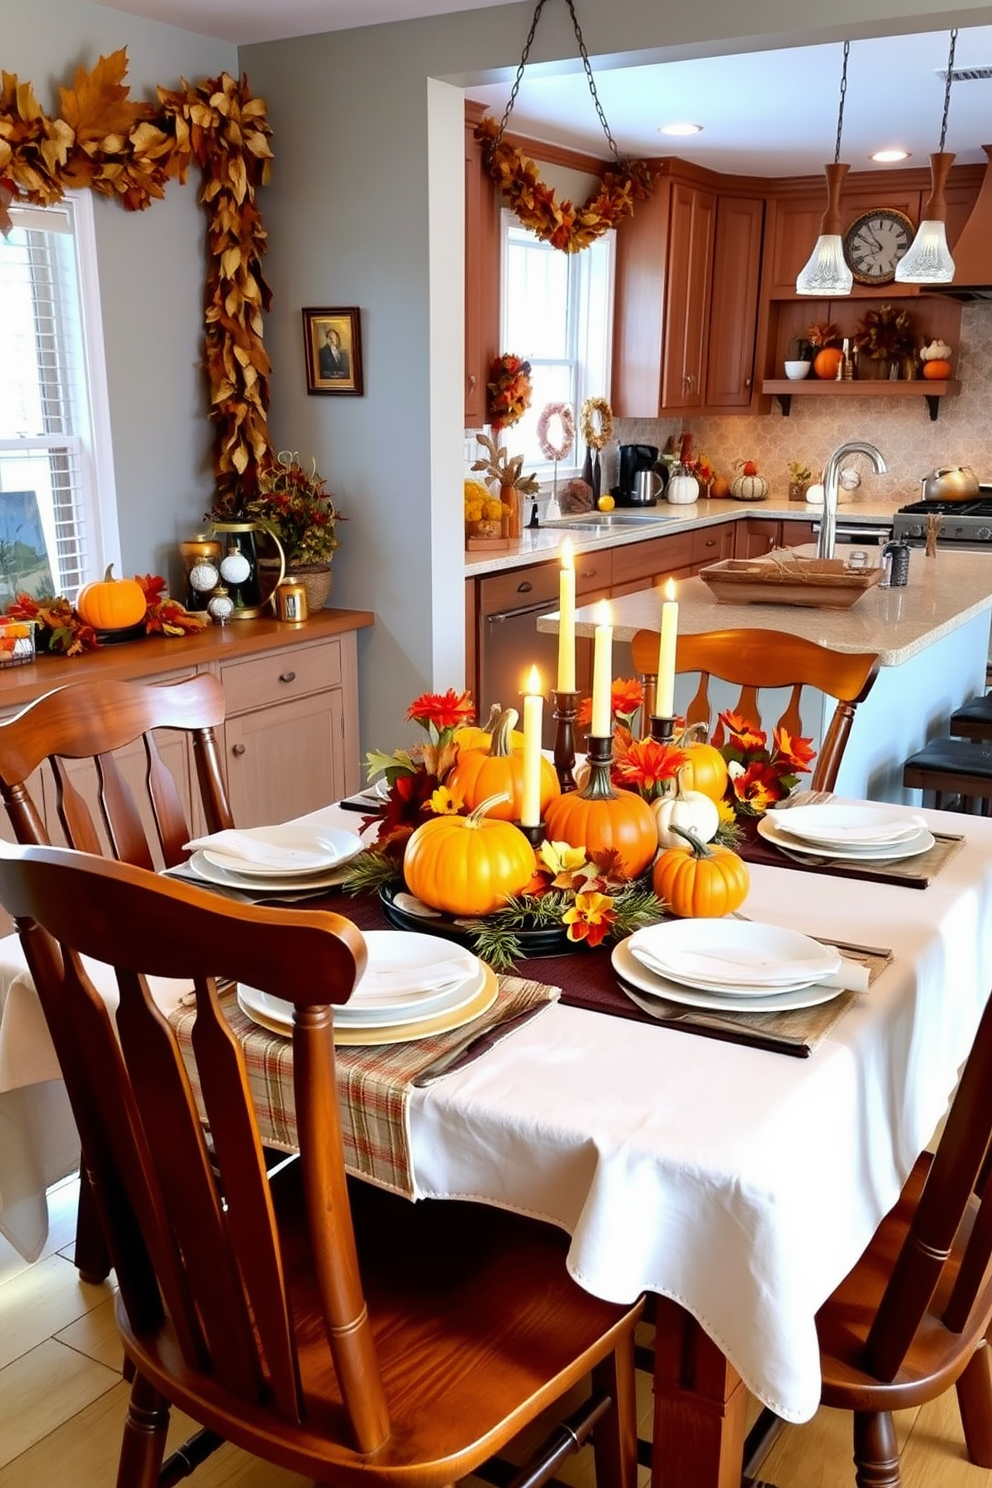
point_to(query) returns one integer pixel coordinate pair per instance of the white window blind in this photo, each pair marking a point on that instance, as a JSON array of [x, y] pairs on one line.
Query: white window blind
[[54, 444]]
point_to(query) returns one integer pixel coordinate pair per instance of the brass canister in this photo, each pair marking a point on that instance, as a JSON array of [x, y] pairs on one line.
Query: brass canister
[[291, 600]]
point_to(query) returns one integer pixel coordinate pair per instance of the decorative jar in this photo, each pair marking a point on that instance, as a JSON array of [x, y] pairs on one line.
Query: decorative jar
[[16, 641]]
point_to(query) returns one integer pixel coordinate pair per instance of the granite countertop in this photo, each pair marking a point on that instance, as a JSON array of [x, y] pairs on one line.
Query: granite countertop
[[943, 594], [537, 544]]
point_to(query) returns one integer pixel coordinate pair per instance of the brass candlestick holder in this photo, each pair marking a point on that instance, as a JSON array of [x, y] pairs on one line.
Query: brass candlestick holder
[[566, 708], [662, 728]]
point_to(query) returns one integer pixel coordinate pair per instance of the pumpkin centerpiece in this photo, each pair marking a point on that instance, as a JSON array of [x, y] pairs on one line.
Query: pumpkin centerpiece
[[468, 865], [699, 880], [112, 604], [602, 819], [497, 769]]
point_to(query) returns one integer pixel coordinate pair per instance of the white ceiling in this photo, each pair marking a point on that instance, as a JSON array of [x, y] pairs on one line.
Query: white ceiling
[[768, 113]]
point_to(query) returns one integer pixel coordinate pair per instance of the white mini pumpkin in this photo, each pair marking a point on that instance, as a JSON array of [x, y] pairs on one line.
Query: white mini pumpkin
[[749, 488], [691, 810]]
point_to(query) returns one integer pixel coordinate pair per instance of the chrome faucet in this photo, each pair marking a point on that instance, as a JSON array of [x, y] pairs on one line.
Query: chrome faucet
[[828, 524]]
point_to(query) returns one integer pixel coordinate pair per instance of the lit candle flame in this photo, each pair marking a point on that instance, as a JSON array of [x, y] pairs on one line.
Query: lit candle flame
[[670, 589], [567, 554], [532, 686]]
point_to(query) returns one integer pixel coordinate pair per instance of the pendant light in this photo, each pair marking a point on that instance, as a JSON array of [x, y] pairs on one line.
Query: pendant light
[[928, 259], [827, 274]]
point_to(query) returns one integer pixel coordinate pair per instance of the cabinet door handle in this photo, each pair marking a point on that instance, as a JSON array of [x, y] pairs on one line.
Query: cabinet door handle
[[239, 750], [588, 573], [525, 587], [287, 676], [471, 382], [710, 542]]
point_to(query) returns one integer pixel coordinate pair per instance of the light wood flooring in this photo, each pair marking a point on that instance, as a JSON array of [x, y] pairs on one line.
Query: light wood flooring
[[62, 1400]]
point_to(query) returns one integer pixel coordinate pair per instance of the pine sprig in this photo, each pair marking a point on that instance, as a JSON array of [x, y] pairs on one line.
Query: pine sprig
[[497, 945], [370, 872], [635, 907]]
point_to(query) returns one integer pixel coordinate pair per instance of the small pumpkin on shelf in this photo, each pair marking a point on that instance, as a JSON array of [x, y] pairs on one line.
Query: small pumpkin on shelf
[[699, 880], [749, 485], [936, 359]]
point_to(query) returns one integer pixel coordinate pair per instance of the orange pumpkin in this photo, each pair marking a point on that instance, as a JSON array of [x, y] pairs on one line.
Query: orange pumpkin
[[467, 865], [473, 736], [705, 771], [698, 880], [936, 369], [826, 362], [112, 604], [599, 822], [497, 768]]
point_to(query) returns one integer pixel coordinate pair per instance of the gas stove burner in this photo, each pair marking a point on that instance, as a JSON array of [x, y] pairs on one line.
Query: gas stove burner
[[980, 507], [963, 524]]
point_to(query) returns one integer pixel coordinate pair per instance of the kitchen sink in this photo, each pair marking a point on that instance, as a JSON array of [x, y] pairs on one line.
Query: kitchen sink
[[598, 521]]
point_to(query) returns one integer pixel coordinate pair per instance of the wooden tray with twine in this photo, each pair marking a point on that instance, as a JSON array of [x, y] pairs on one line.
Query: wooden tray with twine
[[783, 578]]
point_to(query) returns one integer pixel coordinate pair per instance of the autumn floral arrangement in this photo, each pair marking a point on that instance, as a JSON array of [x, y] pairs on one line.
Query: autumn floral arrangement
[[587, 895], [508, 391], [560, 223], [62, 630], [760, 775], [293, 502], [885, 334]]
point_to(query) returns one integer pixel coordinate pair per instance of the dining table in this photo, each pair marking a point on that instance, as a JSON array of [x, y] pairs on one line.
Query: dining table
[[736, 1183]]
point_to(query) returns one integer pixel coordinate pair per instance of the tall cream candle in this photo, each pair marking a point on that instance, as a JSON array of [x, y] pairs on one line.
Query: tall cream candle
[[566, 619], [530, 803], [602, 673], [665, 704]]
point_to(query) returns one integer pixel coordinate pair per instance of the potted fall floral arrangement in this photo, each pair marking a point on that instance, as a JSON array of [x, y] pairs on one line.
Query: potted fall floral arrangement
[[294, 504]]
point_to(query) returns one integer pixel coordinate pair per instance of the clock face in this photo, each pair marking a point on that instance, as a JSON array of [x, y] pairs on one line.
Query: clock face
[[875, 242]]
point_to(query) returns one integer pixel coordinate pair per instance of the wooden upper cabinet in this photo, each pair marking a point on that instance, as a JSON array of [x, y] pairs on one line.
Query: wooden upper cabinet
[[691, 230], [734, 301], [481, 273], [795, 224]]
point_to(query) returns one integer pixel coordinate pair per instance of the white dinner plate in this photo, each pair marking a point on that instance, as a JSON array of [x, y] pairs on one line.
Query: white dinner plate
[[742, 957], [848, 826], [276, 1016], [400, 974], [894, 852], [317, 850], [630, 970], [296, 882]]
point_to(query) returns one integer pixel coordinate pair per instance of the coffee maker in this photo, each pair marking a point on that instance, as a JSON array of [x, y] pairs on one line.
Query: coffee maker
[[633, 459]]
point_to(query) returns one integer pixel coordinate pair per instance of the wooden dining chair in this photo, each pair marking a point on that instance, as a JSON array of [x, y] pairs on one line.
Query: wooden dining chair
[[764, 659], [328, 1327], [103, 783], [911, 1318]]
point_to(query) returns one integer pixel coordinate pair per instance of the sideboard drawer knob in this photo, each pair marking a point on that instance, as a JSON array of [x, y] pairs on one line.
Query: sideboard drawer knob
[[287, 676], [238, 750]]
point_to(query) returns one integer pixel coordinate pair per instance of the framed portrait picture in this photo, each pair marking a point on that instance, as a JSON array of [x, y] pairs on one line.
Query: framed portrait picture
[[332, 344]]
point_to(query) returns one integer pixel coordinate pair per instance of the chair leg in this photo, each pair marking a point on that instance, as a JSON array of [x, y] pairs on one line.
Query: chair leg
[[614, 1438], [974, 1390], [876, 1451], [91, 1256], [145, 1429]]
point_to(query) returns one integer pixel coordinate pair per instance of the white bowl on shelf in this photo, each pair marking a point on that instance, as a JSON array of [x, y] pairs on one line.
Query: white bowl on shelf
[[796, 371]]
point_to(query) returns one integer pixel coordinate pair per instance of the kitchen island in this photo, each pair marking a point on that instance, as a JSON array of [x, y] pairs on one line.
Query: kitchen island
[[931, 637]]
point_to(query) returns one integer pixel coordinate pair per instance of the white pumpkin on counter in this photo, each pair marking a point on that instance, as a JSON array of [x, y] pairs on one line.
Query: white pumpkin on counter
[[683, 487]]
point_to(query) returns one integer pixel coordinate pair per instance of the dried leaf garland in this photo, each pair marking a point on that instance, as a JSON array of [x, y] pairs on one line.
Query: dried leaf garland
[[129, 150]]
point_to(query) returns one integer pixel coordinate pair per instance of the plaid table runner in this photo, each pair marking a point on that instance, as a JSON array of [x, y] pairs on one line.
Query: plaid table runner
[[373, 1083]]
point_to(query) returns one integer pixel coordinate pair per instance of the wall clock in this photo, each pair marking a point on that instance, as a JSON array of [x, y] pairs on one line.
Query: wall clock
[[875, 242]]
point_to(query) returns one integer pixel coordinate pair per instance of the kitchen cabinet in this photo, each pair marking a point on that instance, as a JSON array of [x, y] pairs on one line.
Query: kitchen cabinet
[[481, 273], [688, 265], [646, 565], [756, 536]]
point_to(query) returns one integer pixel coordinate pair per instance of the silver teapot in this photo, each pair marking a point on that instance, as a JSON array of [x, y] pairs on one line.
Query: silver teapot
[[950, 483]]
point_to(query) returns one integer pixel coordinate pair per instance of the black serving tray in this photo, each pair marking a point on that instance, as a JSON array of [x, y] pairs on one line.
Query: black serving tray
[[549, 940]]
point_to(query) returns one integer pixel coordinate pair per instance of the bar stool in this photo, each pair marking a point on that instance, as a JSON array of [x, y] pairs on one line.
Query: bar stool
[[973, 720], [958, 772]]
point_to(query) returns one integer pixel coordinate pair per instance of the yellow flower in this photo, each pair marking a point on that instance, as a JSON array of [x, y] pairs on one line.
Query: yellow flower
[[559, 857], [590, 917], [445, 802]]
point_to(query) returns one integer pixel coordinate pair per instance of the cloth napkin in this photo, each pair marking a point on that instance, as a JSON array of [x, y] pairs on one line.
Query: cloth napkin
[[865, 836], [390, 980], [850, 976], [244, 847], [718, 965]]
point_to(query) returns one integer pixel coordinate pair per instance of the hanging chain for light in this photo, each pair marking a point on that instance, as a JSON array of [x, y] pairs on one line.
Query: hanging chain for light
[[589, 78], [947, 88], [840, 106]]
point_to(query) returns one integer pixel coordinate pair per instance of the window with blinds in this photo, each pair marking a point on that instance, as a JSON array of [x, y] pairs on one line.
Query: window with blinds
[[56, 480]]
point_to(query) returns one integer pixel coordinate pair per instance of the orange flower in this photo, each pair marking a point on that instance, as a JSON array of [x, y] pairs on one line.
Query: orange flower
[[794, 755], [647, 763], [626, 696], [757, 788], [744, 736], [443, 710], [590, 917]]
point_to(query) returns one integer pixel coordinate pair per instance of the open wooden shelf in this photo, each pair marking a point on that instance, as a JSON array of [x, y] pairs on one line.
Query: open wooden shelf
[[785, 390]]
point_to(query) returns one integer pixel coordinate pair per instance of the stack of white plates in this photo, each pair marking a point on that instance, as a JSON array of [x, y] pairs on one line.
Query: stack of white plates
[[734, 965], [859, 833], [279, 858], [413, 986]]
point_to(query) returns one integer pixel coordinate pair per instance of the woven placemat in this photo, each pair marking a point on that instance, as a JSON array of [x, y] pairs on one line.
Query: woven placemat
[[913, 873]]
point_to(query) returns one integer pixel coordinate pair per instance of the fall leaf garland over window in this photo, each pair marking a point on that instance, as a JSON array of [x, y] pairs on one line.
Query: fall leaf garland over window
[[129, 150], [561, 224]]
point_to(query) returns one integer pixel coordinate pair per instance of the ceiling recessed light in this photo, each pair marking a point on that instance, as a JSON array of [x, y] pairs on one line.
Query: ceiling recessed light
[[885, 157], [680, 129]]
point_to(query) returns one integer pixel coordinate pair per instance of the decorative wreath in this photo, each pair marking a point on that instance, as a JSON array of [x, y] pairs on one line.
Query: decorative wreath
[[563, 412], [561, 224], [509, 390], [596, 438], [130, 151]]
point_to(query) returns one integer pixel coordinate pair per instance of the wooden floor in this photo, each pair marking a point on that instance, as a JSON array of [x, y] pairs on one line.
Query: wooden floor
[[62, 1401]]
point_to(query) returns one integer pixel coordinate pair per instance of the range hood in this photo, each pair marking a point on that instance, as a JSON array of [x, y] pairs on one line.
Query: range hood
[[972, 253]]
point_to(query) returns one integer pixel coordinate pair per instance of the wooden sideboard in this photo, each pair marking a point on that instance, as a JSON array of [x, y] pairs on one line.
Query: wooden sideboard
[[290, 739]]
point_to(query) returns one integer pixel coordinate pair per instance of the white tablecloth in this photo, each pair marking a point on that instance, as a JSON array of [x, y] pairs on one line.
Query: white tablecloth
[[741, 1183]]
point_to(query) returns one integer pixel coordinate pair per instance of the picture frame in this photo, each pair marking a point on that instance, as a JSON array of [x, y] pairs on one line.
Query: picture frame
[[332, 348]]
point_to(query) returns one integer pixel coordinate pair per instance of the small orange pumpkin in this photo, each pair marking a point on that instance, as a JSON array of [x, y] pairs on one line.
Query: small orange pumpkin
[[599, 818], [826, 362], [112, 604], [706, 770], [498, 768], [699, 880], [468, 865], [936, 369], [480, 736]]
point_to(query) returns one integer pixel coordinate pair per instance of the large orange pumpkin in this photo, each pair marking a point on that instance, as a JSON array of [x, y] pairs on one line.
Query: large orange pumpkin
[[826, 362], [480, 773], [467, 865], [112, 604], [599, 822]]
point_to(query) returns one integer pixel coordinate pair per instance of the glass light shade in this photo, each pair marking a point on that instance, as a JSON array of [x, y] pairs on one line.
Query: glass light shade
[[928, 259], [826, 273]]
